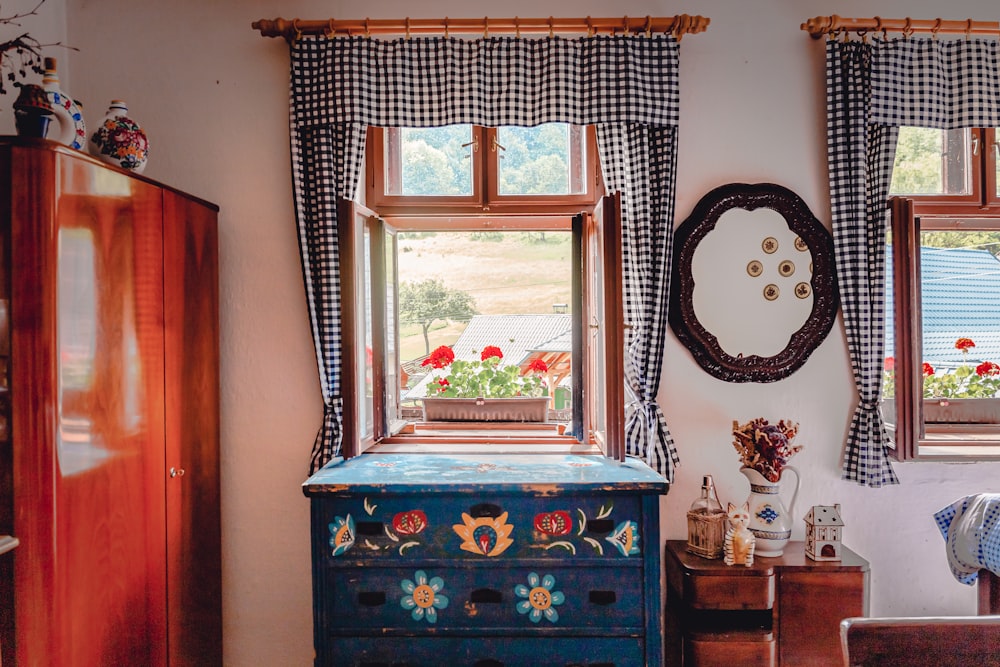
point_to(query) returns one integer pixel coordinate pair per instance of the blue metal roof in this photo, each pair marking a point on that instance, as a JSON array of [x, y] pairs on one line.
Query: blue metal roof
[[960, 298]]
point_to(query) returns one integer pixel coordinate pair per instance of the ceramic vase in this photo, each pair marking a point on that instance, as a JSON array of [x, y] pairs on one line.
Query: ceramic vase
[[69, 128], [119, 140], [770, 519]]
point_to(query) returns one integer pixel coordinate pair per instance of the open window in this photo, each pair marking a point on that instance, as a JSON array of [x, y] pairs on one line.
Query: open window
[[383, 379], [941, 379]]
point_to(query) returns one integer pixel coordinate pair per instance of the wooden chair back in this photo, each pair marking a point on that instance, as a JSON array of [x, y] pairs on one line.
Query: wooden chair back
[[943, 641]]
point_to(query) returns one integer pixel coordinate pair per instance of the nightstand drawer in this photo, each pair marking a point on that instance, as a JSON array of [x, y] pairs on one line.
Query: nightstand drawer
[[474, 528], [729, 592], [488, 652], [515, 599]]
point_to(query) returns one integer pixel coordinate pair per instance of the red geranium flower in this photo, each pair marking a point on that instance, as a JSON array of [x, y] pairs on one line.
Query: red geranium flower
[[928, 370], [538, 366], [439, 358], [443, 384], [890, 364], [964, 344], [491, 351], [987, 369]]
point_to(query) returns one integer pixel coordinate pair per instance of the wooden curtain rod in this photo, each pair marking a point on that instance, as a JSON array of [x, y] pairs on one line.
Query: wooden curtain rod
[[826, 25], [290, 29]]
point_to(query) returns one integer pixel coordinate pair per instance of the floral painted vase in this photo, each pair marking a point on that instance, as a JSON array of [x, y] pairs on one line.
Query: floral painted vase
[[69, 128], [770, 520], [119, 140]]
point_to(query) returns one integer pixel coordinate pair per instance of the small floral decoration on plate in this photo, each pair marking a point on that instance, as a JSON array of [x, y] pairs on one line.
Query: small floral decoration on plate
[[766, 447], [423, 596], [538, 599]]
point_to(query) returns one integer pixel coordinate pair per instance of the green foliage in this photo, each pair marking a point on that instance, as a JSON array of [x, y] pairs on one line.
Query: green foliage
[[427, 301], [918, 168], [488, 379], [434, 162], [962, 239]]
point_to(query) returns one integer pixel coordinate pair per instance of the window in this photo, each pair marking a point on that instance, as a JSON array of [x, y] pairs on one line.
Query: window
[[516, 250], [941, 394], [470, 169]]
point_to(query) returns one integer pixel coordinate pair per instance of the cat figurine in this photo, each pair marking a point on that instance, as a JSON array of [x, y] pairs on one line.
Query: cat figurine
[[740, 542]]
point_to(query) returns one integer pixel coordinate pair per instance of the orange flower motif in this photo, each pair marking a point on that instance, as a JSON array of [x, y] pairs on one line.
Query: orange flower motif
[[964, 344], [486, 536]]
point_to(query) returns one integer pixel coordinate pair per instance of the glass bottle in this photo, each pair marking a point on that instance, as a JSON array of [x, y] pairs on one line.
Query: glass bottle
[[708, 502]]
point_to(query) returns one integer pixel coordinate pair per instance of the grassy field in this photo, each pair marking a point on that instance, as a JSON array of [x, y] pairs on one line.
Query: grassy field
[[515, 274]]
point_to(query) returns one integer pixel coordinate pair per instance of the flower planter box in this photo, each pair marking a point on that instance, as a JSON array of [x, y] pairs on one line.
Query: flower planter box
[[516, 409], [962, 411]]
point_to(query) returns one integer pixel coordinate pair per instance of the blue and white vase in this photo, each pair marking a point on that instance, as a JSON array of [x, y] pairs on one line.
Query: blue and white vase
[[69, 128], [770, 520]]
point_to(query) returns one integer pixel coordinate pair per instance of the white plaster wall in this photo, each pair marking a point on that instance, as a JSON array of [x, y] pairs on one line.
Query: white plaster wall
[[212, 95]]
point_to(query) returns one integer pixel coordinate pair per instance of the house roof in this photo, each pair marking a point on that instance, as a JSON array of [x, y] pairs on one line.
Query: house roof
[[960, 299], [824, 515]]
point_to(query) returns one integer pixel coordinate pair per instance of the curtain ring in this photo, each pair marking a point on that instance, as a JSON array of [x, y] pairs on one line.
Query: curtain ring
[[907, 28], [407, 23], [446, 27], [330, 30], [937, 26], [552, 30], [625, 24], [649, 26], [517, 28], [368, 32], [486, 27], [590, 27], [298, 32], [968, 29]]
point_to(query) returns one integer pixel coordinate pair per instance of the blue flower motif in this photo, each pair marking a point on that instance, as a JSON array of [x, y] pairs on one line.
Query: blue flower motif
[[767, 514], [423, 596], [538, 598]]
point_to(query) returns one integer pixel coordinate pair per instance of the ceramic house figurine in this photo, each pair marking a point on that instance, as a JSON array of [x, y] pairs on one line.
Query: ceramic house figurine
[[823, 528]]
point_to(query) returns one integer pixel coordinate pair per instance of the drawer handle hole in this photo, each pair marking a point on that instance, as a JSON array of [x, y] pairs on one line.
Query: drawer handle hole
[[485, 510], [369, 527], [486, 595], [371, 598], [488, 663], [603, 598], [600, 526]]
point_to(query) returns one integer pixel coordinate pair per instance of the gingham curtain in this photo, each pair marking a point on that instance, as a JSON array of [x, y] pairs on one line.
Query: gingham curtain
[[626, 86], [872, 90]]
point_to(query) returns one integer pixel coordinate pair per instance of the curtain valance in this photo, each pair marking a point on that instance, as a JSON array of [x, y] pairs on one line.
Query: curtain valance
[[433, 81], [945, 84]]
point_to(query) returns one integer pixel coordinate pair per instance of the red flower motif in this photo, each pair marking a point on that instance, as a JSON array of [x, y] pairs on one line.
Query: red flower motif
[[439, 358], [890, 364], [964, 344], [928, 370], [491, 351], [987, 369], [538, 366]]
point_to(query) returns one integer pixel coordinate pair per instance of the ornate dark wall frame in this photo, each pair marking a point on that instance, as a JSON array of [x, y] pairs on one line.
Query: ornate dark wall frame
[[702, 344]]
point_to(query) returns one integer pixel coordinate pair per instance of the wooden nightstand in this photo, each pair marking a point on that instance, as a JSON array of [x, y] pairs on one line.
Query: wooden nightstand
[[780, 611]]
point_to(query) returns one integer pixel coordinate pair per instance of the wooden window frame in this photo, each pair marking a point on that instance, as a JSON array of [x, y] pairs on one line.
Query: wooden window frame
[[598, 389], [982, 181], [485, 198], [913, 439]]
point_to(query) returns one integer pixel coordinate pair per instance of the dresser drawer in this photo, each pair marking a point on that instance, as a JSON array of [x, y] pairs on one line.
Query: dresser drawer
[[519, 599], [464, 526], [485, 652]]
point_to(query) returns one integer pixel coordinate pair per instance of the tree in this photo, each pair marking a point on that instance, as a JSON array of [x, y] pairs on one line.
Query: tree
[[427, 301]]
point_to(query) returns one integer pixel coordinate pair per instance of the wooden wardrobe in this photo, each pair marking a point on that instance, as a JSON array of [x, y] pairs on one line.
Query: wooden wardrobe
[[109, 415]]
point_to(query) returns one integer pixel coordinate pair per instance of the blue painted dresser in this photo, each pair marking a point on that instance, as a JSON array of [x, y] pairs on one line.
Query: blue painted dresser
[[486, 561]]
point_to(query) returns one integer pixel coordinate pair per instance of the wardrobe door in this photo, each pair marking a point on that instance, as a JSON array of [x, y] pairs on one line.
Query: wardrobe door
[[191, 315], [87, 396]]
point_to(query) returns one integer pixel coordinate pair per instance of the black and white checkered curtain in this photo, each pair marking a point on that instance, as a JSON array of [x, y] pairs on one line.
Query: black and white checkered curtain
[[872, 90], [626, 86]]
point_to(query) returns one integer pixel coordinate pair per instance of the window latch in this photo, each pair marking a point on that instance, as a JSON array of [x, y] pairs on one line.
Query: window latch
[[497, 145], [975, 144], [474, 143]]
